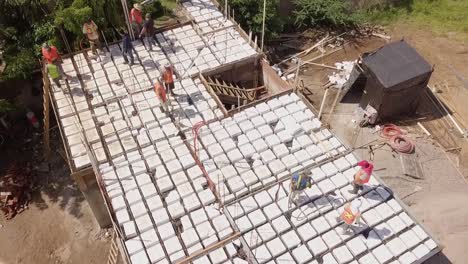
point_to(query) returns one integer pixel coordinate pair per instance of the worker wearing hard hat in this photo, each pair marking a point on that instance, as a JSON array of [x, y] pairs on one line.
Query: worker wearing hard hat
[[161, 93], [148, 31], [90, 29], [168, 78], [351, 214], [136, 18], [362, 176], [299, 182]]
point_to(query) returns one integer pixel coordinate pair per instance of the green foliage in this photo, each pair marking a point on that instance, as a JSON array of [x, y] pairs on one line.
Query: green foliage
[[333, 13], [249, 13], [6, 106], [155, 9], [20, 65], [440, 15]]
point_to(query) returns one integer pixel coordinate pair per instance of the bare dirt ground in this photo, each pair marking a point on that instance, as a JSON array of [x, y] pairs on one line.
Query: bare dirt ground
[[58, 227], [438, 196]]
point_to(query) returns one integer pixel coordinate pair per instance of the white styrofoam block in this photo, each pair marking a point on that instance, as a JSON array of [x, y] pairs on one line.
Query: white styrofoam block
[[314, 151], [320, 224], [260, 145], [138, 209], [408, 257], [190, 237], [206, 197], [372, 240], [246, 126], [155, 253], [302, 254], [262, 254], [258, 121], [280, 150], [165, 184], [326, 186], [244, 224], [289, 161], [262, 108], [220, 223], [249, 178], [257, 217], [166, 231], [395, 205], [396, 246], [396, 224], [331, 238], [266, 232], [280, 224], [410, 238], [342, 254], [227, 144], [270, 117], [263, 199], [215, 149], [406, 219], [247, 150], [234, 155], [382, 254], [267, 156], [356, 245], [160, 216], [198, 216], [276, 247], [368, 259], [272, 211], [420, 232], [274, 103], [218, 256], [172, 245], [430, 244], [317, 246], [186, 161], [129, 229], [276, 167], [329, 169], [290, 239]]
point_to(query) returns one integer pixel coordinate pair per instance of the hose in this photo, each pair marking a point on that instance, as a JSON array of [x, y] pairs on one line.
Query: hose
[[396, 140]]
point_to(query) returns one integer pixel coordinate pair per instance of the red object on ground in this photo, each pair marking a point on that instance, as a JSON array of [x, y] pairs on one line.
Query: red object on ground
[[396, 139], [390, 130]]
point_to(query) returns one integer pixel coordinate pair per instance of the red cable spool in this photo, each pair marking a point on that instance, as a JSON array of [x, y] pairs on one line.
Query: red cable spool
[[391, 130]]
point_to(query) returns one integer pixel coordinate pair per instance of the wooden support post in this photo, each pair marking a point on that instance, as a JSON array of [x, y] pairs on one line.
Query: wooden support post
[[250, 37], [334, 103], [46, 112], [323, 103]]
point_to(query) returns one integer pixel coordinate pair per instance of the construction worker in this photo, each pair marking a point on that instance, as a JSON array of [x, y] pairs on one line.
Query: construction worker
[[136, 18], [161, 93], [90, 29], [168, 77], [299, 182], [148, 31], [362, 176], [127, 48], [54, 62], [351, 214]]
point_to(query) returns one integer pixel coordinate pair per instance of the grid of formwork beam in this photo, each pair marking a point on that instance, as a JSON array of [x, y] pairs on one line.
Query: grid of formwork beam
[[251, 157]]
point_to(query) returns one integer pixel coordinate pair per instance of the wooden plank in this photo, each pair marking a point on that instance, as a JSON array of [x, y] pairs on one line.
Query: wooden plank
[[46, 113]]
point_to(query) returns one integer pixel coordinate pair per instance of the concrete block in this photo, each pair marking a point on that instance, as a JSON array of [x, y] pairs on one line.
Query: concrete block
[[166, 231], [382, 254], [276, 167], [289, 161], [317, 246], [342, 254], [280, 150], [272, 211], [396, 246], [262, 255], [408, 257], [276, 247], [160, 216], [410, 238], [247, 150]]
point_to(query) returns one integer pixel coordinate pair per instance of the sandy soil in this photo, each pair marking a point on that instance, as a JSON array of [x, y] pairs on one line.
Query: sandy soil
[[58, 227], [440, 200]]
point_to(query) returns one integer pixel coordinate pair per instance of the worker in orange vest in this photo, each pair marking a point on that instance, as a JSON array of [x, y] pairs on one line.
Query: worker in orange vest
[[362, 176], [161, 93], [90, 29], [168, 77], [136, 18], [351, 214], [51, 56]]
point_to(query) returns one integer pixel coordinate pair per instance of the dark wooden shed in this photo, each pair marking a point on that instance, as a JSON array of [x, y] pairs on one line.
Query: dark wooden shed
[[396, 76]]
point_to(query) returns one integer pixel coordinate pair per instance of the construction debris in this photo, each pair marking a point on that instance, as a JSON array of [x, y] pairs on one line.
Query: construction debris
[[338, 79], [15, 190]]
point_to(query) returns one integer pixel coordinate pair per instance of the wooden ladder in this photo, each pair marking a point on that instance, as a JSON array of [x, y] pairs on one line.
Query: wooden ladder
[[220, 87], [113, 251]]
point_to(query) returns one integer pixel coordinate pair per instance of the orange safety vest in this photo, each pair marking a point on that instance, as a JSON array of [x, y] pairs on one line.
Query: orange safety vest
[[167, 76], [347, 216], [160, 92], [358, 180]]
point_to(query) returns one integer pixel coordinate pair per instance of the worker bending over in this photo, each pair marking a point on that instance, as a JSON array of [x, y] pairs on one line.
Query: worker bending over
[[127, 48], [148, 31], [90, 29], [299, 182], [362, 176], [168, 77], [351, 214], [54, 63], [161, 93], [136, 18]]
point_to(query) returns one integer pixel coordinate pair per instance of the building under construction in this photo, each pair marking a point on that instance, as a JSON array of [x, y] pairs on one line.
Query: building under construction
[[210, 183]]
